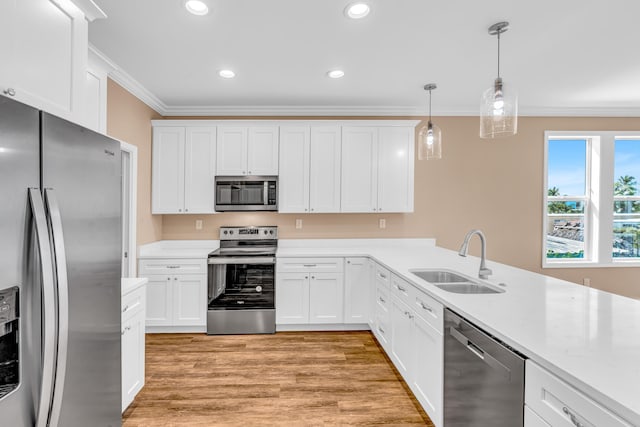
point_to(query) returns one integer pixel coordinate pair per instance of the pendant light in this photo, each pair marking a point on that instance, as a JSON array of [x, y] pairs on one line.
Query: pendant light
[[429, 136], [499, 104]]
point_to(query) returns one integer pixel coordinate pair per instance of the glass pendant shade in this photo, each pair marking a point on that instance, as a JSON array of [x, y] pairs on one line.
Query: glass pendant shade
[[429, 142], [498, 111]]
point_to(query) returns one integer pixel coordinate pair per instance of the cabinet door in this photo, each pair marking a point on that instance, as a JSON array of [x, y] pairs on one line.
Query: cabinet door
[[531, 419], [292, 298], [45, 55], [395, 169], [199, 171], [293, 178], [371, 265], [133, 340], [324, 169], [168, 170], [359, 186], [159, 301], [190, 300], [263, 151], [427, 368], [326, 298], [231, 152], [357, 287], [401, 340]]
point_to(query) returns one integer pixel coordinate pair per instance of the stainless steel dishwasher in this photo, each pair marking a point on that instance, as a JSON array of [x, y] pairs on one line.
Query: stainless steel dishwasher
[[483, 378]]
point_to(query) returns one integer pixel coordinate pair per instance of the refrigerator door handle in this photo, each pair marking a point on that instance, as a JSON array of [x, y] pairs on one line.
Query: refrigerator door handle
[[48, 307], [63, 302]]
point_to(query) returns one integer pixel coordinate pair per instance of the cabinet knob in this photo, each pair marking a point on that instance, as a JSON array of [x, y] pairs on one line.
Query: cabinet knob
[[168, 278], [179, 210], [305, 209], [311, 209], [348, 262], [175, 278], [306, 277], [313, 277], [9, 91], [244, 173], [249, 172], [186, 210]]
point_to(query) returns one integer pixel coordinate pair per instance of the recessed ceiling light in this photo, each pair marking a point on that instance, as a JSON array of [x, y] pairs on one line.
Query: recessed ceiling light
[[357, 10], [197, 7], [335, 74], [226, 74]]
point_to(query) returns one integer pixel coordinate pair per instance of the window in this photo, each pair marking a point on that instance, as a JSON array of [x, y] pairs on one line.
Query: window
[[591, 199]]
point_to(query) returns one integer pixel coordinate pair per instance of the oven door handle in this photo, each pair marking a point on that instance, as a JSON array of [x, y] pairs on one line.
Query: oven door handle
[[241, 260]]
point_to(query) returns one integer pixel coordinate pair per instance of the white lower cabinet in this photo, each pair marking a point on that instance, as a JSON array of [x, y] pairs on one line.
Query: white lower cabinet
[[559, 404], [357, 289], [133, 340], [427, 368], [175, 302], [409, 328], [401, 343], [531, 419], [309, 291]]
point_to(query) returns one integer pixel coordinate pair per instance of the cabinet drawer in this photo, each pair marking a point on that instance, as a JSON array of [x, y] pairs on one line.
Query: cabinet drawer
[[133, 303], [149, 267], [559, 404], [383, 331], [531, 419], [383, 276], [382, 299], [427, 308], [401, 289], [293, 265]]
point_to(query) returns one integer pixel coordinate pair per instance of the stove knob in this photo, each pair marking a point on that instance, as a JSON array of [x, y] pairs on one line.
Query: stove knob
[[265, 231], [226, 232], [270, 231], [231, 232]]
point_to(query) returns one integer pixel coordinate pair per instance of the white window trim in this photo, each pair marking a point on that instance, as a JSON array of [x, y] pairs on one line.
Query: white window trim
[[598, 227]]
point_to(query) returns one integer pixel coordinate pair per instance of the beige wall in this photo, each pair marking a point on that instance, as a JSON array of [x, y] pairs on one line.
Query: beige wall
[[493, 185], [129, 120]]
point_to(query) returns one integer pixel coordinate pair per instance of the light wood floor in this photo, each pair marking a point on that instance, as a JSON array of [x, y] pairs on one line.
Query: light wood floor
[[286, 379]]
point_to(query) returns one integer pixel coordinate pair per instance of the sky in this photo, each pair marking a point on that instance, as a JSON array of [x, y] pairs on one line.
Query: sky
[[567, 163]]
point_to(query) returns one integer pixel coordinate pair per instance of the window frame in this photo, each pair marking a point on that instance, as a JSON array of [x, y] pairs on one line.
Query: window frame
[[599, 181]]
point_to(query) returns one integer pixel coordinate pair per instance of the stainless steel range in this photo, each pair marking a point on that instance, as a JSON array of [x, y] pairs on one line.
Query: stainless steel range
[[241, 279]]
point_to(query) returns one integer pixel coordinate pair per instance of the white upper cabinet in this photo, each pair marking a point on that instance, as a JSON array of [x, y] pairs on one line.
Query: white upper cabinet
[[377, 169], [395, 169], [324, 169], [199, 171], [359, 169], [293, 179], [244, 150], [168, 170], [44, 48], [309, 178], [183, 170]]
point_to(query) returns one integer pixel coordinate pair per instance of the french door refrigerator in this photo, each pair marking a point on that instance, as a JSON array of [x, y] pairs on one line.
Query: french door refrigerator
[[60, 239]]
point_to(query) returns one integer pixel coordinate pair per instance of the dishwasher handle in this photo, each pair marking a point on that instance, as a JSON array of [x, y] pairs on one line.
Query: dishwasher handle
[[480, 353]]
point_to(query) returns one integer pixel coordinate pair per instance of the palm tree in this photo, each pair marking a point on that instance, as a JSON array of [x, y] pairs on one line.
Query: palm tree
[[625, 186], [553, 191]]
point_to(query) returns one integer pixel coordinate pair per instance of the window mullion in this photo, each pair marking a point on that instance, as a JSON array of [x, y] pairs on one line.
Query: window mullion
[[604, 240]]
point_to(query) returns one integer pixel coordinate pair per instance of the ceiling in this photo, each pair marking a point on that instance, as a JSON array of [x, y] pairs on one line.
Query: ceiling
[[568, 57]]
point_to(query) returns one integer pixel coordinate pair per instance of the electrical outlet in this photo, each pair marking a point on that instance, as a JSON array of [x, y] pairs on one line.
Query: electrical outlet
[[587, 282], [298, 224], [198, 224], [382, 223]]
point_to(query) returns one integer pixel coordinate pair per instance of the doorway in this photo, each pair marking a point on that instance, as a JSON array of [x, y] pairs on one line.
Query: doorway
[[129, 159]]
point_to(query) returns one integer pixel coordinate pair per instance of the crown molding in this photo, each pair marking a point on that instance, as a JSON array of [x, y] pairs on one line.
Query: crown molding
[[125, 80]]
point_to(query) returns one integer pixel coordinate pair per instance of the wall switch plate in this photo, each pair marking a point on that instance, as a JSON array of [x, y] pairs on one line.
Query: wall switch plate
[[198, 224], [298, 224], [587, 282], [382, 223]]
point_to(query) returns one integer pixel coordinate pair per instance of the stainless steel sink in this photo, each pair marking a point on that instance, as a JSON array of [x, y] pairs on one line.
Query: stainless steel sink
[[451, 281], [440, 276]]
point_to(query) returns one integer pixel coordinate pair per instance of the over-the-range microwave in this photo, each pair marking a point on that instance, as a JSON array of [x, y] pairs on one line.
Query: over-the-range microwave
[[246, 193]]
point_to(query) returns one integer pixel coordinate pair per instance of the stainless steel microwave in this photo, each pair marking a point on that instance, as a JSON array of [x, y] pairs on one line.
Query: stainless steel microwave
[[246, 193]]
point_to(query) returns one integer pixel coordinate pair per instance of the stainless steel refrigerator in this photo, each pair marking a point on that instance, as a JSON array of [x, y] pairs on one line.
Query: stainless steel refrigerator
[[60, 240]]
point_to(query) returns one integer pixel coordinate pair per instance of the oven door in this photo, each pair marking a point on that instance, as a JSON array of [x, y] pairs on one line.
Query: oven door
[[251, 193], [241, 283]]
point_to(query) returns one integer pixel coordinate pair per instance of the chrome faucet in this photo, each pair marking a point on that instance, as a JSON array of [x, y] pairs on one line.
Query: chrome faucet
[[484, 271]]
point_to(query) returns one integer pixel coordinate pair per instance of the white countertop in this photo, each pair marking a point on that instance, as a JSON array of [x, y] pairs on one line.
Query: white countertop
[[130, 284], [588, 337], [178, 249]]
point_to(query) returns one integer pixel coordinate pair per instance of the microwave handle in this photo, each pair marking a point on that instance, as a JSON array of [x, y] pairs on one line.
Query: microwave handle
[[265, 194]]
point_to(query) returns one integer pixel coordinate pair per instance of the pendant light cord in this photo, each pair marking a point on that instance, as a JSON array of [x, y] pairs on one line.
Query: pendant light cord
[[429, 105], [498, 54]]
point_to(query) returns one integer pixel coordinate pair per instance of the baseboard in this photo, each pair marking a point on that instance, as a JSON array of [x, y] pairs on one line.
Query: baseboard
[[175, 329], [323, 327]]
